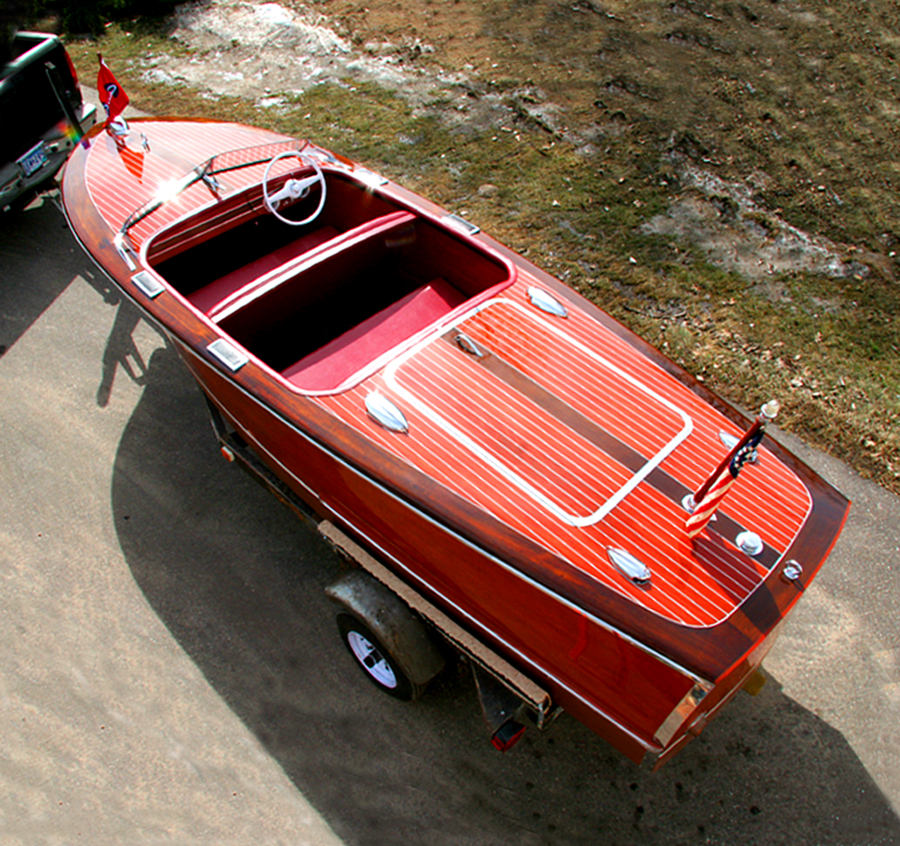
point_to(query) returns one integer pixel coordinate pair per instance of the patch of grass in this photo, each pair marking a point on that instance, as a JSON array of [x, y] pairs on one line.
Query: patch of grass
[[807, 100]]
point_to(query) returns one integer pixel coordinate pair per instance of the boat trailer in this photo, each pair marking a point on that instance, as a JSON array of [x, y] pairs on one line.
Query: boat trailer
[[397, 636]]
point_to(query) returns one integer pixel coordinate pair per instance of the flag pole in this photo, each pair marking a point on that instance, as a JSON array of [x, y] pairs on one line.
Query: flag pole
[[703, 504]]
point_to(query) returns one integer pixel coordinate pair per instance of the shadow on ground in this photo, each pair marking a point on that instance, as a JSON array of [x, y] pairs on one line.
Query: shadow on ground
[[238, 580], [36, 267]]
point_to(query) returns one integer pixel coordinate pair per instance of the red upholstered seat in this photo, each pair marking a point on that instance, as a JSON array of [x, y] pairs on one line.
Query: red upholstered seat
[[209, 296], [329, 366]]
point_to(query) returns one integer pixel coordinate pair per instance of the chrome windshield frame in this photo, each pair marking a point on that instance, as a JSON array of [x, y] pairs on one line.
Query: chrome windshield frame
[[207, 171]]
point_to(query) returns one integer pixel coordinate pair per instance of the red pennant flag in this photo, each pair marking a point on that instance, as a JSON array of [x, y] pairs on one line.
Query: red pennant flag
[[112, 95]]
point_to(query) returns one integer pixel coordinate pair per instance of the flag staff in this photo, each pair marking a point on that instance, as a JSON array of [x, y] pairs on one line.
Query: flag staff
[[703, 504]]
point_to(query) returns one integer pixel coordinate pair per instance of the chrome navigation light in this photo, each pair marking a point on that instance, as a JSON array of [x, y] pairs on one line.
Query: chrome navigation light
[[750, 542], [147, 284], [462, 224], [545, 301], [228, 354], [792, 571], [465, 343], [370, 179]]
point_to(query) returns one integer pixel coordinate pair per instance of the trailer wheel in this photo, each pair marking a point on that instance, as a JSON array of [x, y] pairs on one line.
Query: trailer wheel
[[375, 660]]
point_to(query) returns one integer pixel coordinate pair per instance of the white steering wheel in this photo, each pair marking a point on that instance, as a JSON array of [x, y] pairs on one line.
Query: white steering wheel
[[294, 189]]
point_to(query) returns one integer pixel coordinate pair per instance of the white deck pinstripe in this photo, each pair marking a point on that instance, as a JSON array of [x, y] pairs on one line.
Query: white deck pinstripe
[[695, 584]]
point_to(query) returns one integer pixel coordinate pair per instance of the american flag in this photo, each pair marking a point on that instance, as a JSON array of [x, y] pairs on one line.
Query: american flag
[[713, 491], [704, 510]]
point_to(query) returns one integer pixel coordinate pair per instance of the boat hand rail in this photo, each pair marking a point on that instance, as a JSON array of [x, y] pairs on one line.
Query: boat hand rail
[[208, 170]]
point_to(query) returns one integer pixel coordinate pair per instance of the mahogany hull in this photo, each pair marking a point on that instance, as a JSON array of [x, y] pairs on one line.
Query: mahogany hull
[[644, 669], [582, 663]]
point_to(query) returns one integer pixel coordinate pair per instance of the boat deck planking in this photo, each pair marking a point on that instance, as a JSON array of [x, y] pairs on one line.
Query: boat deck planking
[[536, 442]]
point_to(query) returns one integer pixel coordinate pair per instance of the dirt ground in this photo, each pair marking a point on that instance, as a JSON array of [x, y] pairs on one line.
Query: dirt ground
[[731, 93], [721, 176]]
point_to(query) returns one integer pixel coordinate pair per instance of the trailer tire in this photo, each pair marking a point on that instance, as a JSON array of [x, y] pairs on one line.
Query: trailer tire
[[375, 660]]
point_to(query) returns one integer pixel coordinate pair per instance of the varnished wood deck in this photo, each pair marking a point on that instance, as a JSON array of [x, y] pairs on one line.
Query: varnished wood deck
[[562, 431], [566, 434]]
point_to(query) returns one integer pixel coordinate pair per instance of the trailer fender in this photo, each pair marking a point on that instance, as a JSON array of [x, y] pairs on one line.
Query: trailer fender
[[401, 631]]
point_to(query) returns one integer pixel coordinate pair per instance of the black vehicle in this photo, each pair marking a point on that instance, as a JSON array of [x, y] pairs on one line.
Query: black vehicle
[[42, 114]]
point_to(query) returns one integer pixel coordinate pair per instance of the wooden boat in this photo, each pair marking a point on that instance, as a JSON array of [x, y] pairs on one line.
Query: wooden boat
[[499, 443]]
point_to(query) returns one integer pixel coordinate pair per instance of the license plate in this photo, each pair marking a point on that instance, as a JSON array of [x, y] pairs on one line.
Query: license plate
[[34, 159]]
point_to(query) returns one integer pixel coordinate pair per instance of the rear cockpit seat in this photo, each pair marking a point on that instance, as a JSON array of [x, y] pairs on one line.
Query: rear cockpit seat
[[331, 365]]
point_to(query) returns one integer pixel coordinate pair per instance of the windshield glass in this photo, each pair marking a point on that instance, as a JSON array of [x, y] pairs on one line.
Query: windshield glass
[[208, 171]]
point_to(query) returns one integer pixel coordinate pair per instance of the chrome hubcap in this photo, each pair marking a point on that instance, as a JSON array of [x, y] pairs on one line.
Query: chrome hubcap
[[373, 661]]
